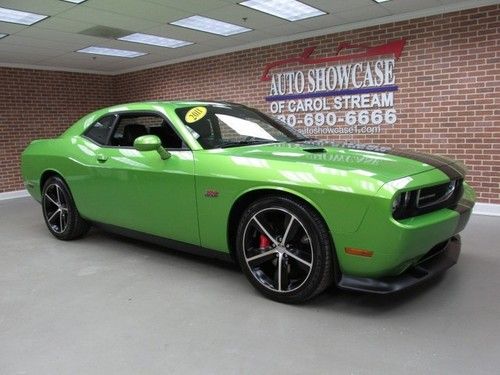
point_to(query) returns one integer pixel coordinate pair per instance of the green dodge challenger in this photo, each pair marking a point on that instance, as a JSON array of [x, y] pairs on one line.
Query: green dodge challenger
[[297, 214]]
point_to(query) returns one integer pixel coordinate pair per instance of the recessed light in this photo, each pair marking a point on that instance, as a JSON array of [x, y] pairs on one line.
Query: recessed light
[[19, 17], [95, 50], [210, 25], [155, 40], [381, 1], [75, 1], [3, 35], [291, 10]]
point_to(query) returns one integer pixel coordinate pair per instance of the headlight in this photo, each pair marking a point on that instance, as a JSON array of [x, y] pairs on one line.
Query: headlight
[[401, 203], [396, 203], [427, 199]]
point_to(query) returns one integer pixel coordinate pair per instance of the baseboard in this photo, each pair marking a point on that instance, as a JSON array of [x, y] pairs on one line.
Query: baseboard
[[488, 209], [14, 194]]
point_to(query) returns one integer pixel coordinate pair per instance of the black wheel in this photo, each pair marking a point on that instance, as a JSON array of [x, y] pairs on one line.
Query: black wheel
[[284, 249], [59, 211]]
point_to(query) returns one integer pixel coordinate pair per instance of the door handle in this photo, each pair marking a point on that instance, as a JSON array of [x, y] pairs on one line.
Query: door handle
[[101, 158]]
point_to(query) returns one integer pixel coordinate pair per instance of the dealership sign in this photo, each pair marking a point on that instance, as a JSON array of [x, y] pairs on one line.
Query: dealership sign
[[341, 94]]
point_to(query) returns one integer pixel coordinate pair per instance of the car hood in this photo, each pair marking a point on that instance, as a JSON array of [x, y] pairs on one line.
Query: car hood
[[382, 163]]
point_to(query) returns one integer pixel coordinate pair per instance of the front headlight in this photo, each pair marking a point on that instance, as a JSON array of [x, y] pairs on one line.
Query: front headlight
[[396, 203], [418, 202], [401, 203]]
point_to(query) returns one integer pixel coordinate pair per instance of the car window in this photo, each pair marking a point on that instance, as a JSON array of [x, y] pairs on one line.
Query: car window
[[100, 130], [131, 126], [223, 125]]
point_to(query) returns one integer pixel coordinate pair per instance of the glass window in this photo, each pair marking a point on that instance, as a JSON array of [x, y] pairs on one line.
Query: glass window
[[99, 132], [131, 126], [222, 125]]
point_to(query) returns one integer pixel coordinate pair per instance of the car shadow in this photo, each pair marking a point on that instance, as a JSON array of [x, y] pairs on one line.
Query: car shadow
[[162, 251], [333, 298]]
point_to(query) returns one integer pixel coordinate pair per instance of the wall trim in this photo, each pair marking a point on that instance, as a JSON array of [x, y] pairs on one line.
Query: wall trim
[[14, 194], [450, 8], [56, 69], [488, 209]]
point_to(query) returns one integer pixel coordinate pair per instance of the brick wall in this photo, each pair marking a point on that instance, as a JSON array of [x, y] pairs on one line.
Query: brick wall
[[447, 103], [41, 104]]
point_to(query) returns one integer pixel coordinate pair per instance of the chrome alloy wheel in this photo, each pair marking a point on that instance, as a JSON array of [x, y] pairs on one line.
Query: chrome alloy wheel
[[278, 249], [55, 208]]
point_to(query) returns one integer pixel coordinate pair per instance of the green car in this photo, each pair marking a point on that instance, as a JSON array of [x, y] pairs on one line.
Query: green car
[[296, 214]]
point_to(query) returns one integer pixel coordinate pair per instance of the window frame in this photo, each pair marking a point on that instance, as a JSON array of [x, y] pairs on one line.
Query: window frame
[[118, 115], [108, 137]]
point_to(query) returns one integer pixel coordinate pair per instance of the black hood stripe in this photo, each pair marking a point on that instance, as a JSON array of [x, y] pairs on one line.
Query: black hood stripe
[[447, 166], [452, 170]]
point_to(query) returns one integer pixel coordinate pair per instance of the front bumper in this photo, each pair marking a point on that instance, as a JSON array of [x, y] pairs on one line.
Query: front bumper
[[435, 262]]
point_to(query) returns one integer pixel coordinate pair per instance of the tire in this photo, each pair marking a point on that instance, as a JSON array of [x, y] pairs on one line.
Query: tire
[[284, 249], [59, 211]]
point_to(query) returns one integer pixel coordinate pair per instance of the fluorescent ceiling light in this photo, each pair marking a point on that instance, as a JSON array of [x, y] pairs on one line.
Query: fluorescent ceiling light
[[3, 35], [75, 1], [155, 40], [19, 17], [111, 52], [291, 10], [381, 1], [210, 25]]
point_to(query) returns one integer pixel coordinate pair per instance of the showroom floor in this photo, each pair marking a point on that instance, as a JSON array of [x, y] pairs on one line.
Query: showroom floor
[[109, 305]]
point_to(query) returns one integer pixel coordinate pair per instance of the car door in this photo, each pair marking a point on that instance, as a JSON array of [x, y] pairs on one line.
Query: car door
[[138, 190]]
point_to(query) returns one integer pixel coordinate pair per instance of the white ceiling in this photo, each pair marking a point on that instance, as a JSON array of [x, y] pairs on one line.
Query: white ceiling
[[51, 43]]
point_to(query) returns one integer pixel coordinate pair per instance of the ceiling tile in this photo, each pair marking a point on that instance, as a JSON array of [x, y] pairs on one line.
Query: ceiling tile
[[62, 24], [289, 29], [176, 32], [192, 6], [19, 57], [337, 6], [322, 22], [236, 14], [40, 43], [140, 9], [365, 13], [21, 50], [101, 17], [46, 7], [58, 36], [82, 61], [10, 28], [254, 36]]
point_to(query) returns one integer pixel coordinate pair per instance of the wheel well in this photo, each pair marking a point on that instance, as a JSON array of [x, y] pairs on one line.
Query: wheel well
[[46, 175], [247, 199]]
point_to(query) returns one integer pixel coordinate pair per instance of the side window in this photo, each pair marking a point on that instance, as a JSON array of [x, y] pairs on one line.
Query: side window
[[99, 132], [129, 127]]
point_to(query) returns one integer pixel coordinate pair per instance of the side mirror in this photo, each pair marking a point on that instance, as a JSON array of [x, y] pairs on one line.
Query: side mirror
[[151, 143]]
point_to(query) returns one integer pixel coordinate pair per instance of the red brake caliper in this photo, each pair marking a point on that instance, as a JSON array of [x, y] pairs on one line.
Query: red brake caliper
[[264, 242]]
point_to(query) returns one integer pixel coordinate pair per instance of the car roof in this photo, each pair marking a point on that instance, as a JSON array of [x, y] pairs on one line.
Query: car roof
[[174, 103]]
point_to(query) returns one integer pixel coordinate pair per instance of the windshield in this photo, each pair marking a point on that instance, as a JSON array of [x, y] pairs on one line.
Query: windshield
[[220, 125]]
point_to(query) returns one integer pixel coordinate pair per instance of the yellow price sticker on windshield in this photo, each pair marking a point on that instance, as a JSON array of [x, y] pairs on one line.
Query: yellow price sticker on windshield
[[195, 114]]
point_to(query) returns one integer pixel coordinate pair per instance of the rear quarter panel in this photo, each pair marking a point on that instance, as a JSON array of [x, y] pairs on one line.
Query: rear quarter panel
[[38, 157]]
